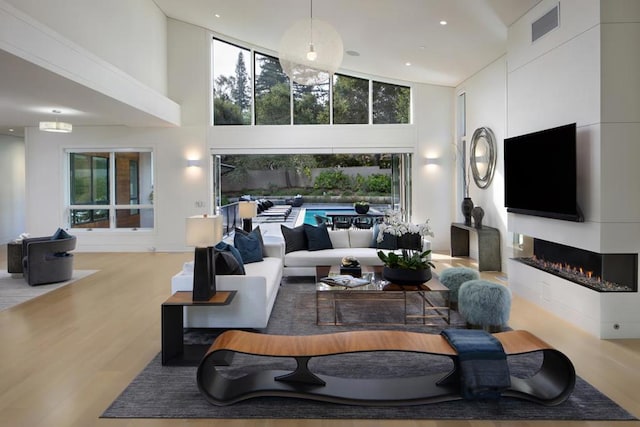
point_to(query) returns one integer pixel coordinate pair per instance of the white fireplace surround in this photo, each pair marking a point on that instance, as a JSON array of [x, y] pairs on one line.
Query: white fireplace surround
[[606, 315]]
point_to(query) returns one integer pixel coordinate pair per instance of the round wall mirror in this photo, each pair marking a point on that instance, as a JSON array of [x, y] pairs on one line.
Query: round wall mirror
[[483, 154]]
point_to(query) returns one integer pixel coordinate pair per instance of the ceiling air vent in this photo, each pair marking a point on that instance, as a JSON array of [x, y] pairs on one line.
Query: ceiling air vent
[[546, 23]]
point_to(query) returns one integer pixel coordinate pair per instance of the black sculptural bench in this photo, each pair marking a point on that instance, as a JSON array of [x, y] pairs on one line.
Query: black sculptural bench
[[550, 385]]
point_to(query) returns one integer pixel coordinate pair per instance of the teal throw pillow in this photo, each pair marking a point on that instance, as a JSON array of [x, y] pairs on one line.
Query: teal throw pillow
[[256, 232], [249, 246], [317, 237], [374, 239], [295, 239], [225, 247], [60, 234]]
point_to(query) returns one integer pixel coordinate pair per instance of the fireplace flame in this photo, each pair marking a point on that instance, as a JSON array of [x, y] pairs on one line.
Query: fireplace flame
[[576, 273]]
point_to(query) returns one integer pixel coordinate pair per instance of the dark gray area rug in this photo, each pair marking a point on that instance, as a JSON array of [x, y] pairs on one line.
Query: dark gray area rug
[[171, 392]]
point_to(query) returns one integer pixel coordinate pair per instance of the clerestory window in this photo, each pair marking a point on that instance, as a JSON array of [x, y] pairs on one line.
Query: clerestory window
[[276, 101]]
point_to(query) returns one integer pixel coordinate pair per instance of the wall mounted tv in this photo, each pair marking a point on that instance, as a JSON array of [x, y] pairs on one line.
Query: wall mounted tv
[[540, 174]]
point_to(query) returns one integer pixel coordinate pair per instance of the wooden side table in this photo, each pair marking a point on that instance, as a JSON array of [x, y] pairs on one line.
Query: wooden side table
[[174, 350], [14, 257]]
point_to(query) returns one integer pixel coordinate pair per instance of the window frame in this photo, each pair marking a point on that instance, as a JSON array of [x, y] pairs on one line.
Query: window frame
[[111, 206], [293, 122]]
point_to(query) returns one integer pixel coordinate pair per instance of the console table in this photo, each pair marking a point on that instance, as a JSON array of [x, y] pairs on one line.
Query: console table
[[489, 258], [174, 350]]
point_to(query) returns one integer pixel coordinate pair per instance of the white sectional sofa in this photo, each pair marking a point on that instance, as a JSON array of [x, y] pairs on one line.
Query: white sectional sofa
[[256, 293], [350, 242]]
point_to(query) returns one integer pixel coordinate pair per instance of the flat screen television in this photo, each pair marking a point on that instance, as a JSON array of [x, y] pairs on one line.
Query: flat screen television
[[540, 174]]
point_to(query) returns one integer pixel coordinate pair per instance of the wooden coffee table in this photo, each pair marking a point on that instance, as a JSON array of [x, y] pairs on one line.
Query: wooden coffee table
[[427, 304]]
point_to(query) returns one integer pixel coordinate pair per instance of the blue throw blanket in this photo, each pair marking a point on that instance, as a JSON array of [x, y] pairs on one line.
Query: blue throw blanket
[[484, 372]]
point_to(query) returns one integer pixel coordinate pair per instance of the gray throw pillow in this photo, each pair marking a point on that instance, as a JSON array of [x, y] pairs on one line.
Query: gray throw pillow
[[227, 264], [225, 247], [295, 239]]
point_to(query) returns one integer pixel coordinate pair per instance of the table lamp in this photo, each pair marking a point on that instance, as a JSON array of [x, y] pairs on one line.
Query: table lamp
[[203, 232], [247, 210]]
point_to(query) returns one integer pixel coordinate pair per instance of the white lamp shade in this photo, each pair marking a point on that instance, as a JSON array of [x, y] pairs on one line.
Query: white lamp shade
[[306, 36], [204, 231], [247, 209], [56, 127]]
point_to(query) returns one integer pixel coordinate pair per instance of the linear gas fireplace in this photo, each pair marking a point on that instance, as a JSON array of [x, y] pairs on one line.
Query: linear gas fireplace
[[600, 272]]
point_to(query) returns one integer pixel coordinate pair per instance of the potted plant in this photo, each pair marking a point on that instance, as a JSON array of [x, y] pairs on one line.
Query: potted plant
[[412, 266], [361, 207]]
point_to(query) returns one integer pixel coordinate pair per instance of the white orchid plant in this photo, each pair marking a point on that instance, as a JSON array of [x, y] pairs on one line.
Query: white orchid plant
[[409, 258]]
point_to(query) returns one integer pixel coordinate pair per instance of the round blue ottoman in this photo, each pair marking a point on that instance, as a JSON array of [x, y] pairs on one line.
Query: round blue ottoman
[[484, 305], [453, 278]]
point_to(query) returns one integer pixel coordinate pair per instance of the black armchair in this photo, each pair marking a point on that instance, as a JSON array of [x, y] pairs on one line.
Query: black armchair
[[46, 260]]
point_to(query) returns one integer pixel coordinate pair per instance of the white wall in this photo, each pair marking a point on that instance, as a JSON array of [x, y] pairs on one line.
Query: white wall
[[12, 187], [433, 184], [176, 186], [486, 107], [129, 34], [178, 189], [585, 72]]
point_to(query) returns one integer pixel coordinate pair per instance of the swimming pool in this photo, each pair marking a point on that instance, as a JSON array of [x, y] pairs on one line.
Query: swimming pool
[[310, 212]]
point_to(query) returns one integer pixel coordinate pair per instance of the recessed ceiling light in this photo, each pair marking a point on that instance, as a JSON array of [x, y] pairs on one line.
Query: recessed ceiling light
[[408, 64], [443, 22], [352, 53], [217, 15], [10, 130]]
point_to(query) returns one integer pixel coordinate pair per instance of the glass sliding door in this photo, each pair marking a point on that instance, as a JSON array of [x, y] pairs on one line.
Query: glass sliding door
[[401, 183], [216, 199]]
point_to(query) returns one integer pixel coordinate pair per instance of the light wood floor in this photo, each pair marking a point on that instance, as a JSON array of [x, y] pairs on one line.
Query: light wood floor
[[65, 356]]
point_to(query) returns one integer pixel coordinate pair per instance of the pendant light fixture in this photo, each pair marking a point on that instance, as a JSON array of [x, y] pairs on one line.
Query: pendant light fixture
[[311, 51], [60, 127]]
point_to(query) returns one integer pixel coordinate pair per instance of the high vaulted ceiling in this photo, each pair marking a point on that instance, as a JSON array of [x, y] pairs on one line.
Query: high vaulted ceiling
[[386, 34]]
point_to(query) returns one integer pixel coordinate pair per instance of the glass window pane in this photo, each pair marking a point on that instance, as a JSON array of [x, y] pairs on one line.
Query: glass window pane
[[100, 180], [390, 103], [350, 100], [89, 174], [89, 218], [311, 104], [134, 218], [145, 177], [127, 182], [462, 115], [272, 94], [80, 165], [231, 84], [91, 183]]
